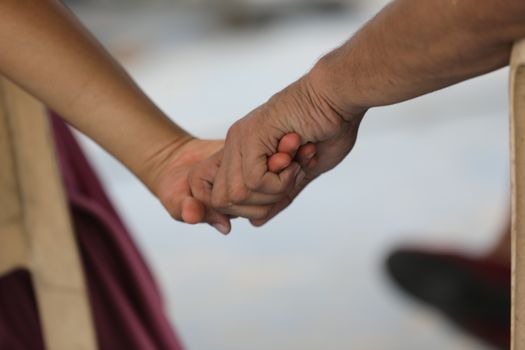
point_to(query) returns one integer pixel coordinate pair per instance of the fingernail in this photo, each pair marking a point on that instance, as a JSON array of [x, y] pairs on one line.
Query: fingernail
[[222, 229], [310, 156]]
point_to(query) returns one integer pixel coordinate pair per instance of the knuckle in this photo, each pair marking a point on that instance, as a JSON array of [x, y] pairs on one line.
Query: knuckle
[[233, 130], [200, 190], [282, 188], [193, 180], [286, 185], [219, 202], [253, 182], [239, 194]]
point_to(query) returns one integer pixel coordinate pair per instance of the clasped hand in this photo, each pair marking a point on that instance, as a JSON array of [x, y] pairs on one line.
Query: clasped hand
[[267, 159]]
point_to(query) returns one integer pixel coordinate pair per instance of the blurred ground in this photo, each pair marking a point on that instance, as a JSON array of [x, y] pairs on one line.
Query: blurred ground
[[432, 171]]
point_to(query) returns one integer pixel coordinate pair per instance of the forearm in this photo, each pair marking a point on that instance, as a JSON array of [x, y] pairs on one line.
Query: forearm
[[44, 49], [413, 47]]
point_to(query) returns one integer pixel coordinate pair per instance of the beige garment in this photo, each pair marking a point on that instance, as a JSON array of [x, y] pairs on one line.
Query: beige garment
[[35, 228], [517, 137]]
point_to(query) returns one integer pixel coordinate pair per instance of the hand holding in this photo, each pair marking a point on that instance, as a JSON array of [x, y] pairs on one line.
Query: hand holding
[[172, 188], [244, 185]]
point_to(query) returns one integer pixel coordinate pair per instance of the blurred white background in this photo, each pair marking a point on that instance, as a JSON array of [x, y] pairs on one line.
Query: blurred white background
[[430, 172]]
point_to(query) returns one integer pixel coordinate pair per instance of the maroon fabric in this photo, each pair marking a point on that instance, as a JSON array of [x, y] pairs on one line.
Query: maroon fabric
[[126, 303]]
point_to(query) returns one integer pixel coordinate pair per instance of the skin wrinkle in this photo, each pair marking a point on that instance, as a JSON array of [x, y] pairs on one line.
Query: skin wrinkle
[[279, 123], [385, 66], [153, 163], [270, 144], [411, 48]]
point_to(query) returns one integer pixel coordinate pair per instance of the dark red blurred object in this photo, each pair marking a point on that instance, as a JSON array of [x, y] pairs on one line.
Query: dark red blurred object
[[475, 294], [126, 303]]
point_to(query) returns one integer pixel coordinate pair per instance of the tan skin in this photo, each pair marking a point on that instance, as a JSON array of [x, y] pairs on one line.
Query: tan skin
[[46, 50], [412, 47]]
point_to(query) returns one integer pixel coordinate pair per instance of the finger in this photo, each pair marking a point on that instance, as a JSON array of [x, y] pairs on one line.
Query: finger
[[305, 154], [279, 184], [202, 176], [192, 211], [258, 198], [180, 201], [278, 162], [251, 212], [312, 164], [219, 183], [255, 198], [270, 183], [287, 149], [221, 222], [237, 190], [255, 172], [283, 204], [239, 194], [200, 179], [201, 182], [289, 144], [185, 208]]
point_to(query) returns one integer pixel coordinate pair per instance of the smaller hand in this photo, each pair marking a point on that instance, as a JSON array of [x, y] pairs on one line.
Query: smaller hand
[[174, 191], [201, 158]]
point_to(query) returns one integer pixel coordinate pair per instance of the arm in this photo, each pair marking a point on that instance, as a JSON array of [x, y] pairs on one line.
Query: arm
[[413, 47], [410, 48], [45, 50], [48, 52]]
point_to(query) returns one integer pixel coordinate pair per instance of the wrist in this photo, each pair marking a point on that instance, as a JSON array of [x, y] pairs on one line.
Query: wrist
[[166, 156], [330, 82]]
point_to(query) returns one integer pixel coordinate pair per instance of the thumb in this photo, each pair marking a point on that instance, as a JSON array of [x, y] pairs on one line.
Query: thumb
[[192, 211], [201, 179], [286, 150]]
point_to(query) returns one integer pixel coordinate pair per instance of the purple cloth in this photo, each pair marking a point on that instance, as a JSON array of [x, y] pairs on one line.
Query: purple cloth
[[126, 303]]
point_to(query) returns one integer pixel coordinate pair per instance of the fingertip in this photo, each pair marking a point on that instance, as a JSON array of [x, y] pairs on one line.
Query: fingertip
[[306, 153], [289, 143], [224, 225], [307, 150], [221, 222], [224, 229], [258, 223], [278, 162], [192, 211], [312, 163]]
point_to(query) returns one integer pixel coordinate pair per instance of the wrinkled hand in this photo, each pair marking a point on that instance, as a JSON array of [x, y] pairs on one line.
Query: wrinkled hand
[[172, 185], [202, 176], [241, 181]]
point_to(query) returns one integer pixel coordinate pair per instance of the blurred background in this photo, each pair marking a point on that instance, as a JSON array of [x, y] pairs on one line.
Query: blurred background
[[431, 172]]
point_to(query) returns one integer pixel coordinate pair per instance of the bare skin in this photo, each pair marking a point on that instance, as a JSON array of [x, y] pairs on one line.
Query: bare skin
[[46, 51], [412, 47]]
